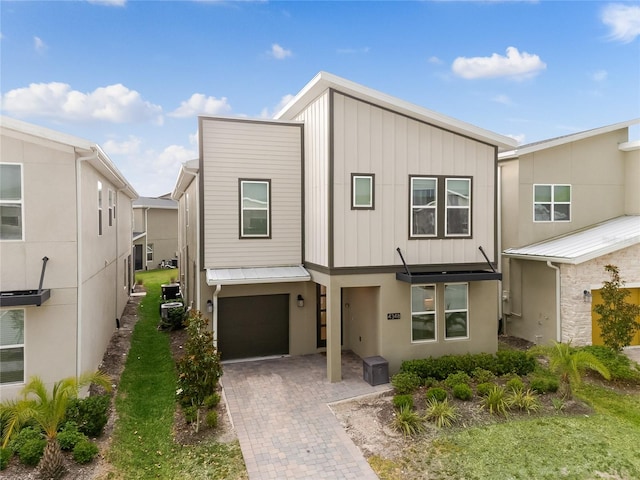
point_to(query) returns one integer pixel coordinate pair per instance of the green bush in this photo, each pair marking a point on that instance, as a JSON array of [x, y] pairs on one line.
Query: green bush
[[462, 391], [440, 412], [212, 401], [515, 383], [5, 457], [90, 413], [408, 422], [430, 382], [405, 400], [85, 451], [523, 400], [212, 419], [190, 413], [22, 437], [457, 378], [69, 436], [436, 393], [483, 389], [544, 385], [482, 375], [496, 401], [31, 451], [618, 364], [405, 382], [514, 361]]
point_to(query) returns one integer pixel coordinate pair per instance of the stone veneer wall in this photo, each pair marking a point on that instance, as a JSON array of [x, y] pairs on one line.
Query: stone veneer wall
[[575, 311]]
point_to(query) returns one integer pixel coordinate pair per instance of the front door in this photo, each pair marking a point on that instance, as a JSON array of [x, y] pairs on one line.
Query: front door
[[321, 317], [138, 257]]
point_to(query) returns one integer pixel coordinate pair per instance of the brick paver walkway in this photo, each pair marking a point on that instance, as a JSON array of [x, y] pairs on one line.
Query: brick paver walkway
[[285, 427]]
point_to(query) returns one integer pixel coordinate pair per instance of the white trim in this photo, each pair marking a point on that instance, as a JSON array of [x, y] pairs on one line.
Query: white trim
[[248, 275], [434, 312], [267, 208], [456, 207], [553, 202], [354, 203], [21, 202], [18, 345], [432, 207], [455, 310]]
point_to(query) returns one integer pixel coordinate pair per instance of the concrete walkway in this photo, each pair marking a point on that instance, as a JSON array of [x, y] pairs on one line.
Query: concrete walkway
[[633, 353], [286, 430]]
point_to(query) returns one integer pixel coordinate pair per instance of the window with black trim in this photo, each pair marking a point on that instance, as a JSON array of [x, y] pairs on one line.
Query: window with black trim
[[11, 346], [456, 310], [362, 191], [458, 208], [551, 203], [11, 201], [255, 208], [424, 203]]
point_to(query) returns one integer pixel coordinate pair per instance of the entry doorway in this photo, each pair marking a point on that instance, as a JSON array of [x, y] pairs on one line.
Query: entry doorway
[[137, 254], [321, 317]]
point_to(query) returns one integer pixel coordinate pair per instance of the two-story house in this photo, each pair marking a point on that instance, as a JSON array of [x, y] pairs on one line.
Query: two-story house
[[570, 206], [353, 220], [65, 254], [155, 231]]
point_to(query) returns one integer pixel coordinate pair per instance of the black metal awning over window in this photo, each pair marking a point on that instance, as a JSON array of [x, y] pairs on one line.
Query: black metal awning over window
[[449, 277], [25, 298]]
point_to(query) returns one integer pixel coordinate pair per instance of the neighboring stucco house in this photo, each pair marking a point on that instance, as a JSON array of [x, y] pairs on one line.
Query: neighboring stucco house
[[65, 254], [570, 206], [155, 231], [291, 229]]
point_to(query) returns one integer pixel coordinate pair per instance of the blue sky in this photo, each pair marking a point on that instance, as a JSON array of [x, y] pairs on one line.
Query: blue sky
[[132, 75]]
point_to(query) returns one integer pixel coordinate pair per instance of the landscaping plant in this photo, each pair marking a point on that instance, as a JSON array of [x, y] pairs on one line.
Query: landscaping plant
[[570, 365], [407, 421], [496, 401], [406, 382], [440, 412]]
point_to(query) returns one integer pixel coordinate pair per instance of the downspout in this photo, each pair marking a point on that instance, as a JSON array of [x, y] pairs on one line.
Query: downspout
[[499, 243], [80, 248], [146, 238], [558, 319], [215, 315]]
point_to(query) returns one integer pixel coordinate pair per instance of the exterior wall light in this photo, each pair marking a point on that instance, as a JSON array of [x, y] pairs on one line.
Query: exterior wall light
[[209, 306], [300, 301], [586, 296]]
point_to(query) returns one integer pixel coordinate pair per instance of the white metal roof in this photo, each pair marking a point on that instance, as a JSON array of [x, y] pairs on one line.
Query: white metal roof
[[323, 81], [584, 245], [155, 202], [247, 275]]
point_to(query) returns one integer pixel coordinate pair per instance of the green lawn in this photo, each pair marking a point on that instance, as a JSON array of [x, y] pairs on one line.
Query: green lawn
[[142, 444]]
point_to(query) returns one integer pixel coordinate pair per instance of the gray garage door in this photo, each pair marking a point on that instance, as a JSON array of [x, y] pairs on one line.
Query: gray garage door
[[256, 326]]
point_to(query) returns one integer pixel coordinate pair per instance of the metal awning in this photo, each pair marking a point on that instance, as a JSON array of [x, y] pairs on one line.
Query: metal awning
[[25, 298], [449, 277], [247, 275]]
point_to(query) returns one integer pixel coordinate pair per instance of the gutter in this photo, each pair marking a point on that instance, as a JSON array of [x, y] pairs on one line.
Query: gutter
[[558, 318]]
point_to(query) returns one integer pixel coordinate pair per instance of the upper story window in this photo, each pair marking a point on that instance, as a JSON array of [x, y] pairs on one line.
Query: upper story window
[[11, 346], [552, 203], [255, 208], [111, 208], [362, 191], [99, 208], [440, 207], [423, 313], [11, 202], [456, 310]]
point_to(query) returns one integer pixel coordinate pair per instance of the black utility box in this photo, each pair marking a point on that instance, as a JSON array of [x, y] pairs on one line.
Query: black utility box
[[375, 370]]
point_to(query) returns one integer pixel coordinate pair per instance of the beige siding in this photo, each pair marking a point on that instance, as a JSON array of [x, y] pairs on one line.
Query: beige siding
[[251, 150], [162, 232], [368, 139], [632, 182], [316, 183], [188, 244]]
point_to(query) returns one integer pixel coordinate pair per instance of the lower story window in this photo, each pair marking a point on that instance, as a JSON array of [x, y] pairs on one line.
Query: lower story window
[[149, 252], [456, 310], [423, 313], [11, 346]]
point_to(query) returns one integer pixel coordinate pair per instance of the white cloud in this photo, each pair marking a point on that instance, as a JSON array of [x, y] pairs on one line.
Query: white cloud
[[599, 75], [514, 65], [131, 146], [503, 99], [519, 137], [266, 113], [278, 52], [201, 104], [113, 103], [109, 3], [39, 45], [435, 60], [623, 20]]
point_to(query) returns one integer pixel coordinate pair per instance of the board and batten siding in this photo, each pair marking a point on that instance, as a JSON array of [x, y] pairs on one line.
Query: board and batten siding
[[369, 139], [316, 182], [235, 149]]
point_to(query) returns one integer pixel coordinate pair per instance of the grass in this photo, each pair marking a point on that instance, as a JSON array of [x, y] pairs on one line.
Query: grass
[[142, 444]]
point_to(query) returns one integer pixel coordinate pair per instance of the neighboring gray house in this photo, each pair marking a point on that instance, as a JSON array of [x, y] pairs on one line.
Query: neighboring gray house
[[570, 206], [65, 254], [155, 231], [290, 229]]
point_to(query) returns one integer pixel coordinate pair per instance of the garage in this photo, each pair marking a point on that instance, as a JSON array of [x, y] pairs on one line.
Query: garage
[[253, 326], [597, 299]]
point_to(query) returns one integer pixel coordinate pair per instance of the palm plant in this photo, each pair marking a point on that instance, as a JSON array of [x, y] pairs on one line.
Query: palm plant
[[570, 365], [48, 411]]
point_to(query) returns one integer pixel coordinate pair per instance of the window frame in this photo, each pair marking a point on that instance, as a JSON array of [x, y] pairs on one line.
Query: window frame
[[111, 209], [241, 182], [372, 189], [434, 312], [552, 203], [149, 250], [448, 207], [17, 345], [412, 207], [19, 202], [99, 208], [457, 310]]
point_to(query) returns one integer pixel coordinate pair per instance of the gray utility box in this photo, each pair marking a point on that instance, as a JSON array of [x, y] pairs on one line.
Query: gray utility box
[[375, 370]]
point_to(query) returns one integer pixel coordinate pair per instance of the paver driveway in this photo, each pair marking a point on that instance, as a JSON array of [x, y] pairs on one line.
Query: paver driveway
[[285, 427]]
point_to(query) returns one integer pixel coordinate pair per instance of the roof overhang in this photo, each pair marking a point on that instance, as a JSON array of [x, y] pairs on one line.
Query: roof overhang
[[448, 277], [246, 275], [138, 235], [24, 298]]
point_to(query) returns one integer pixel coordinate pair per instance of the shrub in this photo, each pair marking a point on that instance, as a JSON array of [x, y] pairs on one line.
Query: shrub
[[441, 413], [515, 383], [212, 401], [69, 436], [405, 382], [462, 391], [483, 389], [436, 393], [90, 414], [190, 413], [5, 456], [199, 369], [85, 451], [482, 375], [408, 422], [212, 419], [496, 401], [457, 378], [22, 437], [619, 364], [31, 451], [523, 400], [558, 404], [544, 385], [400, 401], [514, 361], [430, 382]]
